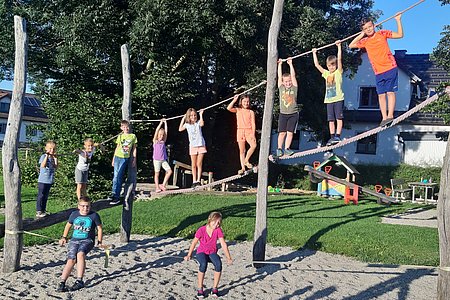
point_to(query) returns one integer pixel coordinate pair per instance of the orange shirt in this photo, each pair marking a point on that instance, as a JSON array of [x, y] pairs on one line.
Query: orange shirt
[[245, 118], [377, 48]]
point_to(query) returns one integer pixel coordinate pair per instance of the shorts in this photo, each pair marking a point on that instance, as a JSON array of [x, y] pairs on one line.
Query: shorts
[[81, 176], [197, 150], [157, 164], [76, 246], [288, 122], [335, 111], [245, 134], [387, 81], [204, 258]]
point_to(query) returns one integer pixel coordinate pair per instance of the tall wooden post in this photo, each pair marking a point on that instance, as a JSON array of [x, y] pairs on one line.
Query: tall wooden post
[[13, 242], [443, 216], [260, 237], [130, 184]]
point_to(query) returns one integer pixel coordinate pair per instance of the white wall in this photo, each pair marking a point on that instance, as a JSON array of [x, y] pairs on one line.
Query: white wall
[[365, 78], [23, 134]]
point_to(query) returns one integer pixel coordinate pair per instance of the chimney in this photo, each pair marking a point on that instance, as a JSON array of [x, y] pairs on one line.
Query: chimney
[[400, 53]]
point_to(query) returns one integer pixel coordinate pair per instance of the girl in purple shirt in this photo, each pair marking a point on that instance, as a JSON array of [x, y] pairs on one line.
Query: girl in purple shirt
[[160, 156], [208, 235]]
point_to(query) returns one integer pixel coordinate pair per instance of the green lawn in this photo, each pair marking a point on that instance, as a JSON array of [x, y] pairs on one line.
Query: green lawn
[[295, 221]]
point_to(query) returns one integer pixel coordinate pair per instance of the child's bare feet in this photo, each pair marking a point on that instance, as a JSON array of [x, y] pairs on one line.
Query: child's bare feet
[[163, 188]]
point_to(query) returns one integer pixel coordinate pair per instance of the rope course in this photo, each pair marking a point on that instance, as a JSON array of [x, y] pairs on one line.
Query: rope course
[[367, 133], [211, 106], [353, 35]]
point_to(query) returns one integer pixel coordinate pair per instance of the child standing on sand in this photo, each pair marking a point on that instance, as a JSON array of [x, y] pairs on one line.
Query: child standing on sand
[[208, 235]]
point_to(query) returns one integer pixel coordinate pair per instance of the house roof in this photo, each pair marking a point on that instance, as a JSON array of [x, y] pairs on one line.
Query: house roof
[[32, 108], [339, 161]]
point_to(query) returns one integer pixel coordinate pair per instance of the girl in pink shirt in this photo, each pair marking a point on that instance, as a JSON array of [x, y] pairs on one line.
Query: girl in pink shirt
[[208, 235], [245, 129]]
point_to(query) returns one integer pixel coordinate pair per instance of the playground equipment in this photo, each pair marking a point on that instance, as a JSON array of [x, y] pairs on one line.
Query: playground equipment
[[330, 188], [352, 193], [187, 169]]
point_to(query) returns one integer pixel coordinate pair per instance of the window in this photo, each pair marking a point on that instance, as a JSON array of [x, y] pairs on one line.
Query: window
[[367, 145], [2, 128], [31, 131], [368, 97], [4, 107]]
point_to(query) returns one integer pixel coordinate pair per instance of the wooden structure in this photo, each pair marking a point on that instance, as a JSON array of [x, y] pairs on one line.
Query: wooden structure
[[400, 189], [186, 169], [331, 188]]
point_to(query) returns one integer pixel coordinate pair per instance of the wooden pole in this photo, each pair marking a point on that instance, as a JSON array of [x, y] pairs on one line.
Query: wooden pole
[[443, 218], [130, 184], [13, 242], [260, 237]]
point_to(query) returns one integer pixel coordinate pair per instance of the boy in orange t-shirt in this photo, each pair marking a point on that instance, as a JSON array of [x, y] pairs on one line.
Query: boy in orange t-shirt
[[383, 63]]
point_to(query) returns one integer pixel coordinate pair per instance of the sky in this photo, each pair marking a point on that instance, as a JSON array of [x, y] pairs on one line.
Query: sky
[[422, 26]]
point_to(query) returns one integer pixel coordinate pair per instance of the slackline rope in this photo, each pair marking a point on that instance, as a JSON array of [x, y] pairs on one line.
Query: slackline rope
[[367, 133], [353, 35], [216, 104], [30, 233]]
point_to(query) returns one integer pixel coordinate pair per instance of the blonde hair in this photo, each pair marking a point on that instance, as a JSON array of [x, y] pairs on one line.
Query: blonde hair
[[188, 112], [164, 131], [84, 199], [332, 59], [50, 142], [88, 140], [214, 216]]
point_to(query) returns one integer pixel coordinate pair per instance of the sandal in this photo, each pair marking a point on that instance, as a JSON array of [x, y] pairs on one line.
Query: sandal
[[248, 165]]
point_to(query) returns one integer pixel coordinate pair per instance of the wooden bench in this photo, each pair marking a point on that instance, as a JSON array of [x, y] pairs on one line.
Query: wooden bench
[[400, 189], [187, 169]]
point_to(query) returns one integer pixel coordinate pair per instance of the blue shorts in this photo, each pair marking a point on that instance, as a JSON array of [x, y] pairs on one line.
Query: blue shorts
[[76, 246], [204, 258], [387, 81], [335, 111], [288, 122]]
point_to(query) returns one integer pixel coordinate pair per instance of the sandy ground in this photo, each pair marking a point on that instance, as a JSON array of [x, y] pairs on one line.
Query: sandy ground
[[153, 268]]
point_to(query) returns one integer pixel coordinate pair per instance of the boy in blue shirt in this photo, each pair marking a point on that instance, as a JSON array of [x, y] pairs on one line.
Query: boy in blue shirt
[[84, 222]]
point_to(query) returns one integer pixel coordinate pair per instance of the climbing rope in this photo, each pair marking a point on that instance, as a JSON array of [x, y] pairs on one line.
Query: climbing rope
[[353, 35], [211, 106], [367, 133]]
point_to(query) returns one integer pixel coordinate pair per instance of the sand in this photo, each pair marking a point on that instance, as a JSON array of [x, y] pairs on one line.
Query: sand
[[153, 268]]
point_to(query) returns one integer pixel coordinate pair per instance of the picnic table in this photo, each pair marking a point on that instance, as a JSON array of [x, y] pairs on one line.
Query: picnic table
[[427, 187]]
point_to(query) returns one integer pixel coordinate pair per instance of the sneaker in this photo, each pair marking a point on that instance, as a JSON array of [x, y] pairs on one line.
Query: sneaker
[[330, 142], [79, 284], [41, 214], [215, 293], [288, 152], [200, 294], [335, 140], [62, 287], [195, 184], [279, 153], [115, 201], [386, 122]]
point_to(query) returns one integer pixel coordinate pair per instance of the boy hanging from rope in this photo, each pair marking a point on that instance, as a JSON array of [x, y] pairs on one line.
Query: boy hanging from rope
[[334, 97], [383, 63]]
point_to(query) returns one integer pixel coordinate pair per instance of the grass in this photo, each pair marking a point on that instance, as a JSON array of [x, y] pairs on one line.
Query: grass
[[294, 221]]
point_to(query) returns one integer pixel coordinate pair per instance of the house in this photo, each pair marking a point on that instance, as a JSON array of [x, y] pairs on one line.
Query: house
[[33, 114], [420, 140]]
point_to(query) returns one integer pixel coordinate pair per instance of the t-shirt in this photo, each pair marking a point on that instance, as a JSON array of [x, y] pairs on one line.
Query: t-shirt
[[126, 142], [159, 150], [83, 162], [195, 134], [208, 244], [84, 226], [47, 173], [377, 48], [333, 86], [288, 100], [245, 118]]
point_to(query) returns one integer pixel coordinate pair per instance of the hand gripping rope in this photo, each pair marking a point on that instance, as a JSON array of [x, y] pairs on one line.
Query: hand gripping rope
[[367, 133]]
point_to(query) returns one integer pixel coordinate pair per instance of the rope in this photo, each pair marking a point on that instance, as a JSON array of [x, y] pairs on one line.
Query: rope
[[364, 134], [211, 184], [211, 106], [354, 35], [30, 233]]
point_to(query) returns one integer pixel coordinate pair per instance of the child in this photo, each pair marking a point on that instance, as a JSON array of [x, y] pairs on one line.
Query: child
[[383, 63], [47, 166], [334, 97], [84, 222], [288, 119], [126, 145], [82, 167], [197, 145], [245, 129], [208, 235], [160, 156]]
